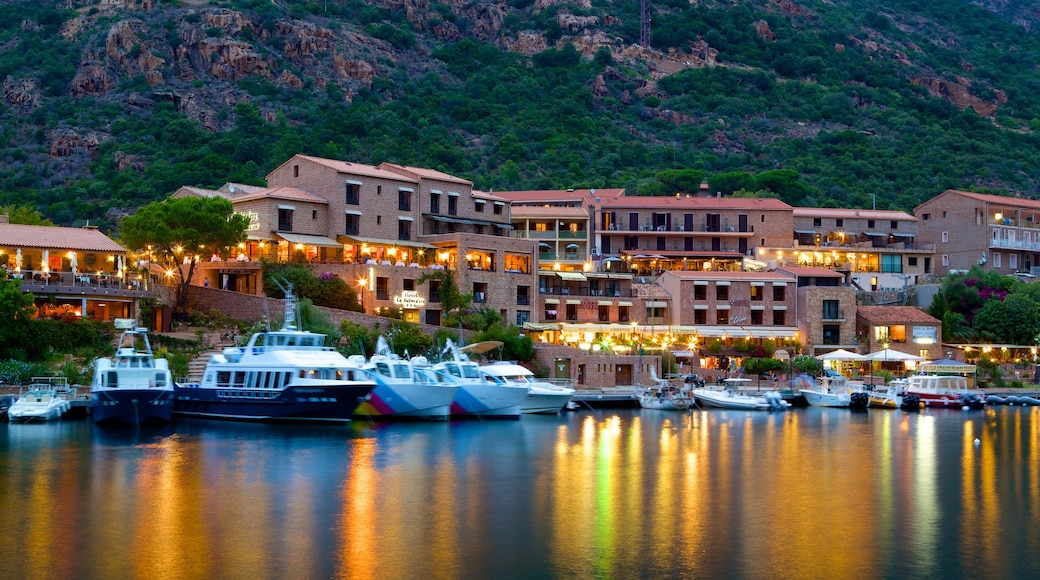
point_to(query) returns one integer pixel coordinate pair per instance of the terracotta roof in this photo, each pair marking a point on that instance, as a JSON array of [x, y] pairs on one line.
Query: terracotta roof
[[830, 212], [816, 272], [694, 203], [733, 276], [901, 314], [985, 197], [561, 195], [551, 211], [353, 168], [56, 238], [418, 173], [290, 193]]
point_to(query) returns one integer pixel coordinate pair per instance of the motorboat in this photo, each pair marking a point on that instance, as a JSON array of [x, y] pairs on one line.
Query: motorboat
[[478, 396], [662, 395], [404, 390], [829, 392], [42, 401], [133, 387], [283, 375], [889, 398], [944, 391], [729, 399], [542, 396]]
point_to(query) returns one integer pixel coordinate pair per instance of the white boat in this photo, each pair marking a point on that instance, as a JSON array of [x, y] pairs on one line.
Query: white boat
[[404, 390], [43, 401], [663, 395], [944, 391], [730, 399], [542, 397], [133, 387], [282, 375], [479, 396], [829, 392]]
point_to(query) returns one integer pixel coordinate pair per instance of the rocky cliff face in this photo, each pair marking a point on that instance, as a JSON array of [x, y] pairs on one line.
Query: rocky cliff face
[[194, 53]]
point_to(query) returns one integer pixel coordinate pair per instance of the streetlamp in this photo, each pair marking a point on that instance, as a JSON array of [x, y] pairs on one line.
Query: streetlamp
[[362, 282]]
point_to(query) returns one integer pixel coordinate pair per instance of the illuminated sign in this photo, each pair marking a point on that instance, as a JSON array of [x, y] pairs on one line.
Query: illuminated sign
[[409, 299], [925, 334], [254, 220]]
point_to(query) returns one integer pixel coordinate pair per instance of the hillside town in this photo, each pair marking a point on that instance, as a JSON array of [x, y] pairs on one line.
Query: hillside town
[[596, 277]]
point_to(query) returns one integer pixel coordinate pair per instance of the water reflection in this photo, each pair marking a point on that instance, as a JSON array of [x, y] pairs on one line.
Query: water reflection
[[812, 493]]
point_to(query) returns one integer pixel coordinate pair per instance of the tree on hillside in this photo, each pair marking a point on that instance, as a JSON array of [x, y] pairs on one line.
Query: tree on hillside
[[177, 231], [24, 214]]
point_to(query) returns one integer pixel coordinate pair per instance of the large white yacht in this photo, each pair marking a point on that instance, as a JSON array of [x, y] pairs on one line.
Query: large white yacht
[[133, 387]]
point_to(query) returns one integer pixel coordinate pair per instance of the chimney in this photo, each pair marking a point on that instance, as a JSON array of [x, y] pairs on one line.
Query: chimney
[[4, 218]]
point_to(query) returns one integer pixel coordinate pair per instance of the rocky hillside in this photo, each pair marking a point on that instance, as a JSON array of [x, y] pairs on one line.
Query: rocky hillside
[[107, 104]]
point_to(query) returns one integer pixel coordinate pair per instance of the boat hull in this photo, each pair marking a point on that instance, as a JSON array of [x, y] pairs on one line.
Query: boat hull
[[545, 403], [489, 401], [826, 399], [665, 404], [132, 406], [29, 415], [408, 401], [318, 403], [740, 402]]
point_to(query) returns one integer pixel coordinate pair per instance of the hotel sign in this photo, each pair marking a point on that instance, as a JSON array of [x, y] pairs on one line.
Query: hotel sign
[[254, 220], [925, 335], [409, 300]]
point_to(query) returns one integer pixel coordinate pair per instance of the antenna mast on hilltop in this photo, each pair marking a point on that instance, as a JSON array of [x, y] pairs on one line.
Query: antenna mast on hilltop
[[644, 23]]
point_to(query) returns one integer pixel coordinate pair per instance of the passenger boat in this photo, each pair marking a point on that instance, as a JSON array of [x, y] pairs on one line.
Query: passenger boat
[[404, 390], [479, 396], [829, 392], [133, 387], [542, 397], [944, 391], [662, 395], [284, 375], [42, 401], [730, 399]]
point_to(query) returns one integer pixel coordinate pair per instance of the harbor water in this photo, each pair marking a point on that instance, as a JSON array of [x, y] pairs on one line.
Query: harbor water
[[808, 493]]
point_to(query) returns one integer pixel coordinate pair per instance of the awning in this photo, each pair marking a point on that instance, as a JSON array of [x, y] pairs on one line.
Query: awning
[[902, 235], [574, 302], [657, 304], [606, 303], [450, 220], [624, 303], [552, 300], [571, 275], [309, 240], [808, 232], [876, 234], [383, 242], [541, 326]]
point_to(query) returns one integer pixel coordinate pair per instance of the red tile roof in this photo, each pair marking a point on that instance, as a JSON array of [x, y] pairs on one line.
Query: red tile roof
[[290, 193], [872, 214], [418, 173], [14, 236], [816, 272], [898, 314]]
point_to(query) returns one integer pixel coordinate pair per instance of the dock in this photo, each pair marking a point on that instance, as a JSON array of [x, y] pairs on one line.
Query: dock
[[605, 397]]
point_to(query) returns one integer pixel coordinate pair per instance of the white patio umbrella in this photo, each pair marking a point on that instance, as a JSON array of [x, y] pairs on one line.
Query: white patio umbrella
[[841, 354], [889, 355], [18, 260], [46, 258], [74, 264], [119, 266]]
